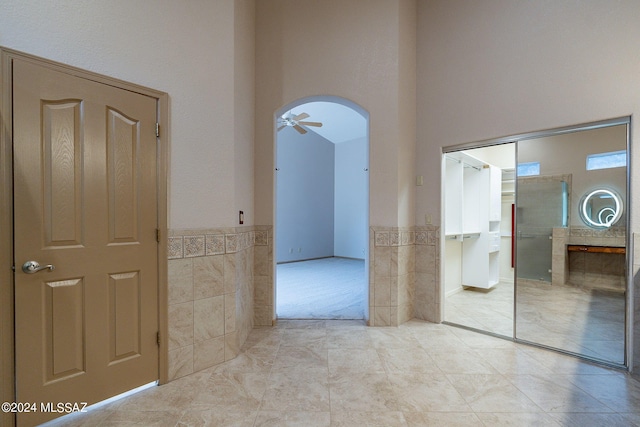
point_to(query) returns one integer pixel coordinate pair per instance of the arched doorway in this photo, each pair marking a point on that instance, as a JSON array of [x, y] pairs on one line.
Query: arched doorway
[[322, 209]]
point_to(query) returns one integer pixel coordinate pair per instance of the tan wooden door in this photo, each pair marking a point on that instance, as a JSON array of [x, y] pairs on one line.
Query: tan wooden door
[[86, 203]]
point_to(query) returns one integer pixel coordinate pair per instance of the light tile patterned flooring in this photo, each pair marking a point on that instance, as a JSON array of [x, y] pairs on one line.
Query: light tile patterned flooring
[[579, 320], [342, 373], [487, 310]]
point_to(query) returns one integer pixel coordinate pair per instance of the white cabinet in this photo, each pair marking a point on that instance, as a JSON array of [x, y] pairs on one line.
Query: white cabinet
[[464, 185], [495, 194], [473, 209], [494, 241], [480, 262], [453, 196]]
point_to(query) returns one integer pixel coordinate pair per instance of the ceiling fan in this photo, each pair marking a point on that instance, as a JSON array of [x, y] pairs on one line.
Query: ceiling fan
[[295, 121]]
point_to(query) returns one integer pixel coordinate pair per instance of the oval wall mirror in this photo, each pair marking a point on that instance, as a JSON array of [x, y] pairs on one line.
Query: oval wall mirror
[[600, 208]]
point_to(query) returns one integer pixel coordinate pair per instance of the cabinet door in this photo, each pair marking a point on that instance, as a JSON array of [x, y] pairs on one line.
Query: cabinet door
[[495, 193], [453, 206], [474, 195]]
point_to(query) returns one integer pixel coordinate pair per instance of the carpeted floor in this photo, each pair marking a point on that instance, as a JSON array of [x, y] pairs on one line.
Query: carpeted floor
[[327, 288]]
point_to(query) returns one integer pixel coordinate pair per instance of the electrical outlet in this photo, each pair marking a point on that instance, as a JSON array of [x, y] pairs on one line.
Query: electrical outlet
[[428, 219]]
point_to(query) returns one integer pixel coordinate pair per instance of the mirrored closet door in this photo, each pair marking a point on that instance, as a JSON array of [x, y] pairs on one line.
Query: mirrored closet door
[[478, 272], [571, 275], [535, 236]]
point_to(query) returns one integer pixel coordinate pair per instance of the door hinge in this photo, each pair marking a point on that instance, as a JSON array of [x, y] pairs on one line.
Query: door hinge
[[157, 130], [158, 337], [158, 235]]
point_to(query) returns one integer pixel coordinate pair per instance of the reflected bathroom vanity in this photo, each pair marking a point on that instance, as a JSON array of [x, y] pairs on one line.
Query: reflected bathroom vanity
[[593, 255], [552, 269]]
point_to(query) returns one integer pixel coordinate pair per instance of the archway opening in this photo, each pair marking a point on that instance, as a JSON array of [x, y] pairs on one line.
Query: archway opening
[[321, 247]]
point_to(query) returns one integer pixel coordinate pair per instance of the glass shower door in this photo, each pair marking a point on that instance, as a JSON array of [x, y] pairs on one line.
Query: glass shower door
[[541, 206]]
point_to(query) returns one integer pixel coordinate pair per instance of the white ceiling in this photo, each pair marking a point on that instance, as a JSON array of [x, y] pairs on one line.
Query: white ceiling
[[339, 123]]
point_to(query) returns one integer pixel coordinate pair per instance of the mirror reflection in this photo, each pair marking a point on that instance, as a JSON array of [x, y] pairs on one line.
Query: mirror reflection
[[478, 263], [600, 208], [535, 239], [570, 244]]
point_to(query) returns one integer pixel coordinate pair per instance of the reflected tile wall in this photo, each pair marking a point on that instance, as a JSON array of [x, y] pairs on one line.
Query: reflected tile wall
[[588, 269], [559, 258], [212, 276]]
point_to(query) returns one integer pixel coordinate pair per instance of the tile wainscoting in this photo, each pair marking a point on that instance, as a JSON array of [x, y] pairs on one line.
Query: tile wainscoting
[[213, 303], [403, 274], [427, 298], [221, 285]]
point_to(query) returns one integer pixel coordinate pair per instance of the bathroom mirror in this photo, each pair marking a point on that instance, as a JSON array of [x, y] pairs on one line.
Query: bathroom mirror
[[600, 208]]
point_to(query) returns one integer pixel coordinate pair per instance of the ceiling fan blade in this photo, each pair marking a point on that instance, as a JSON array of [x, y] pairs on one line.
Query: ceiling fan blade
[[300, 129], [300, 116], [316, 124], [282, 127]]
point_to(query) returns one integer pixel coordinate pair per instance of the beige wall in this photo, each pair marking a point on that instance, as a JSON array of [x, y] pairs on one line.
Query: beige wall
[[364, 51], [567, 154], [501, 67], [198, 51], [202, 54], [361, 50], [484, 70], [244, 110]]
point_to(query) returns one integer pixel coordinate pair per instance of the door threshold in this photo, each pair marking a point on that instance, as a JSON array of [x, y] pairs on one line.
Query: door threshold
[[71, 416]]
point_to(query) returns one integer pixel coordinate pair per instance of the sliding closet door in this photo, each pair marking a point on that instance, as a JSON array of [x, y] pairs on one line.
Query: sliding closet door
[[570, 240], [478, 276]]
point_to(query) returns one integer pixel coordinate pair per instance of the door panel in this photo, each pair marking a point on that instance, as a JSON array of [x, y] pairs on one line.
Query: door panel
[[64, 331], [572, 304], [124, 316], [122, 140], [85, 202], [62, 171]]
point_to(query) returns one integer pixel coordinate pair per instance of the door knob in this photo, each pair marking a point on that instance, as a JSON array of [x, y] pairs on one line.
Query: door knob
[[31, 267]]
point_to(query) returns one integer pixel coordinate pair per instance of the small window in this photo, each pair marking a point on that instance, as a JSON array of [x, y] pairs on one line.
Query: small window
[[613, 159], [528, 169]]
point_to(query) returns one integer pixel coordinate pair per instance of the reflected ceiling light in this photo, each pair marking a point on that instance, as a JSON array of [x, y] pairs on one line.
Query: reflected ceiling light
[[604, 217]]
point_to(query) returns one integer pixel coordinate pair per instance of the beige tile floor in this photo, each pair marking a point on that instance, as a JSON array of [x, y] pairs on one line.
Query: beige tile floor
[[585, 321], [488, 310], [342, 373]]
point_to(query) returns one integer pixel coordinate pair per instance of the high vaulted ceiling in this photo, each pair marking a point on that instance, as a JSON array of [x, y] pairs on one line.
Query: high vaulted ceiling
[[339, 123]]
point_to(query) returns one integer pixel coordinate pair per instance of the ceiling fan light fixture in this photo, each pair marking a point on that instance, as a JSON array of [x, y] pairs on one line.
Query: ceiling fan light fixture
[[295, 121]]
